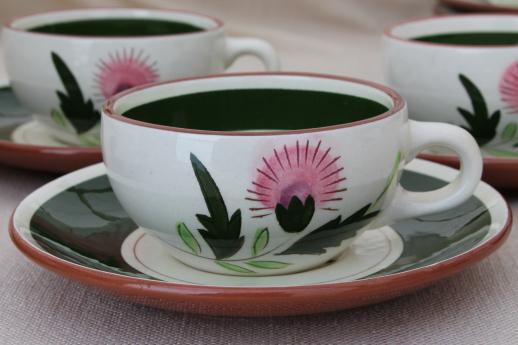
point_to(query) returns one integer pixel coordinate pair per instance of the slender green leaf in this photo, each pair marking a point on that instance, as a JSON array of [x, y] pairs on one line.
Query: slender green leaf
[[211, 194], [509, 132], [233, 267], [480, 124], [268, 264], [477, 99], [59, 118], [67, 78], [188, 239], [392, 175], [80, 113], [262, 236]]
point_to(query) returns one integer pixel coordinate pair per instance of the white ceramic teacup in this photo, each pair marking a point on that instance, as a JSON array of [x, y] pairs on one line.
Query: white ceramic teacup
[[471, 81], [76, 59], [262, 174]]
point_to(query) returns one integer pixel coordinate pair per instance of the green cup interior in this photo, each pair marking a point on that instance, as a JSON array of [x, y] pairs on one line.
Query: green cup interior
[[255, 103]]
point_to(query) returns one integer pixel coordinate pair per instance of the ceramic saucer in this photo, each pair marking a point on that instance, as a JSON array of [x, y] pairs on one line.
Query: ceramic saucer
[[75, 226], [500, 163], [26, 144], [481, 5]]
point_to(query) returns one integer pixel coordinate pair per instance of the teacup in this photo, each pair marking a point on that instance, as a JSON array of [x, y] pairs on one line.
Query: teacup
[[63, 65], [264, 174], [460, 69]]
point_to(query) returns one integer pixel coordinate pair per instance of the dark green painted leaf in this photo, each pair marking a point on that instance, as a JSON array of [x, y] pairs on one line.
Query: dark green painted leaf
[[222, 247], [81, 113], [268, 264], [188, 239], [331, 234], [262, 236], [223, 235], [297, 216], [509, 132], [480, 124], [233, 267], [211, 194]]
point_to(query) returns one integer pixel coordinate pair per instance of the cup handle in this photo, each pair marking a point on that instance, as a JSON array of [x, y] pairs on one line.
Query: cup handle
[[236, 47], [423, 135]]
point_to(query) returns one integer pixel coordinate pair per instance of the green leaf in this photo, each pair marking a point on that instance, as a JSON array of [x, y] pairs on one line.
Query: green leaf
[[391, 177], [80, 113], [188, 239], [262, 236], [233, 267], [67, 78], [223, 235], [331, 234], [509, 132], [477, 99], [480, 124], [297, 216], [268, 264], [59, 118], [211, 194]]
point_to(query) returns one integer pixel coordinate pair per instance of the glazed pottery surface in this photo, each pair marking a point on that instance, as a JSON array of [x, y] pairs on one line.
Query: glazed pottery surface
[[75, 226], [473, 86], [64, 79], [255, 194], [25, 143]]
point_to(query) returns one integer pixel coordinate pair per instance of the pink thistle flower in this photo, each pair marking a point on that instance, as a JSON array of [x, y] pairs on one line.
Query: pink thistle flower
[[123, 71], [299, 171], [509, 87]]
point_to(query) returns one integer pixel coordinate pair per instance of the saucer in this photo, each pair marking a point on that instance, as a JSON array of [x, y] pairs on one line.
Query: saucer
[[479, 5], [24, 143], [500, 164], [75, 226]]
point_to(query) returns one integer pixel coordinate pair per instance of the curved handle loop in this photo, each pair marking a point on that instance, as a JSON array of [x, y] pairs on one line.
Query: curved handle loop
[[236, 47], [408, 204]]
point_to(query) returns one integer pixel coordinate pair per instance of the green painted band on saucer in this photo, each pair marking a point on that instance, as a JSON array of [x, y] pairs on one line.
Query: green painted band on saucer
[[86, 225]]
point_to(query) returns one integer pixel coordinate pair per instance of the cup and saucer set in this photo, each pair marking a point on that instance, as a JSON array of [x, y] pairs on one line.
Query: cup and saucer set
[[251, 194]]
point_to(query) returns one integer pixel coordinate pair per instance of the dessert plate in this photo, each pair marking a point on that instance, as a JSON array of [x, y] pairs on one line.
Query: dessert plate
[[482, 5], [26, 144], [75, 226]]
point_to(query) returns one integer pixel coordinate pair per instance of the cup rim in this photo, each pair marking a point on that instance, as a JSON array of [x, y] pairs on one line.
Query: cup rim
[[9, 24], [388, 31], [398, 104]]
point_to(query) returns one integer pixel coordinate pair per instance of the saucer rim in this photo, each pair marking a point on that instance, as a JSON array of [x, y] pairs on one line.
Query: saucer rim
[[399, 283]]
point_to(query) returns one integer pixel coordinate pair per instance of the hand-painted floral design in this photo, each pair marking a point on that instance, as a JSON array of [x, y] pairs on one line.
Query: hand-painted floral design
[[77, 114], [509, 88], [294, 181], [481, 123], [124, 70]]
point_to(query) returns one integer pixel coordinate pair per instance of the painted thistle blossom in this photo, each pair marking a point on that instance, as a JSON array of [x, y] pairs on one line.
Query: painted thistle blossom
[[294, 181], [509, 87], [122, 71]]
